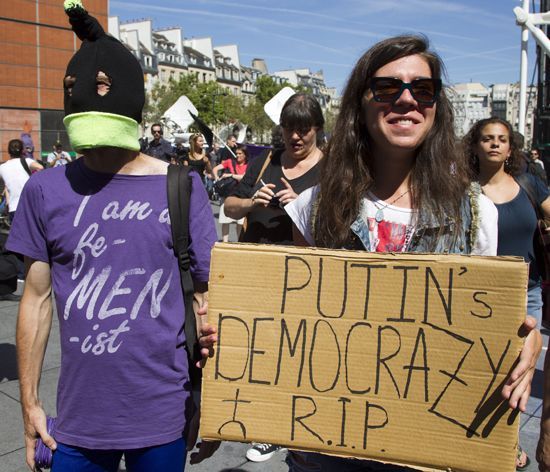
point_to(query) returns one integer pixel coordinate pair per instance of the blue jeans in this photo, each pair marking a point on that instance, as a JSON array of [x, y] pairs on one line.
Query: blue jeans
[[534, 303], [168, 457]]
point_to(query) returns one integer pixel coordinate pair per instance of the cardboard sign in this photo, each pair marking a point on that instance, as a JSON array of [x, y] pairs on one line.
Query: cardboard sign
[[398, 358]]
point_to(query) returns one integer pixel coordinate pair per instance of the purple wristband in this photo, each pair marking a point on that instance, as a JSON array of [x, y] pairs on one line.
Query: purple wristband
[[42, 453]]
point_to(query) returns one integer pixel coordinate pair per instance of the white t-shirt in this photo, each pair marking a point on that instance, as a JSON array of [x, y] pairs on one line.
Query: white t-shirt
[[65, 158], [15, 177], [395, 226]]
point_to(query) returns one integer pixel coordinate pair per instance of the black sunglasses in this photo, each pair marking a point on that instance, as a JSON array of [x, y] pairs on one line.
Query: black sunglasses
[[389, 89]]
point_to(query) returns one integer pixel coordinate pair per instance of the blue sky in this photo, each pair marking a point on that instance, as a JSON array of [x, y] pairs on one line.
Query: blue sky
[[478, 39]]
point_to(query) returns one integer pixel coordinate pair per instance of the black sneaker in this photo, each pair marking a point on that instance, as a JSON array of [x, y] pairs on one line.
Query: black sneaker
[[10, 297], [260, 452]]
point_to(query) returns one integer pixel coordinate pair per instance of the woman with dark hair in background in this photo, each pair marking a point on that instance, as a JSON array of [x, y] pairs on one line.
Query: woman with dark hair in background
[[275, 180], [495, 160], [393, 180], [270, 185], [15, 174]]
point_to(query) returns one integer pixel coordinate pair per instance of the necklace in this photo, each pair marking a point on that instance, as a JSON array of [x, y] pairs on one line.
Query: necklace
[[379, 216]]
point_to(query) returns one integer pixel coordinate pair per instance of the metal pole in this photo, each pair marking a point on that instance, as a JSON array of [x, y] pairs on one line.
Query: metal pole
[[523, 73]]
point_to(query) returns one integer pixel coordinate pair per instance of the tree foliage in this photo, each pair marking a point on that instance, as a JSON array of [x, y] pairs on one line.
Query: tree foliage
[[216, 105]]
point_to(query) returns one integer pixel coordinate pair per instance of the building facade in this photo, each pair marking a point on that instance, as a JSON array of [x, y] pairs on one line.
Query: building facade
[[471, 102], [36, 43], [474, 101], [313, 82]]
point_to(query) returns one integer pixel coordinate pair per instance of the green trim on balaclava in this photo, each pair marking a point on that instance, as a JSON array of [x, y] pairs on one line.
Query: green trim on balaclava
[[95, 129]]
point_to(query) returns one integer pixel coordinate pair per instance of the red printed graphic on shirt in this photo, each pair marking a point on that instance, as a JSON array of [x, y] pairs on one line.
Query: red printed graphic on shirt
[[392, 237]]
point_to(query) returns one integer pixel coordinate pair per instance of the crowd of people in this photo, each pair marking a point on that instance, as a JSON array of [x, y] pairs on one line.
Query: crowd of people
[[96, 238]]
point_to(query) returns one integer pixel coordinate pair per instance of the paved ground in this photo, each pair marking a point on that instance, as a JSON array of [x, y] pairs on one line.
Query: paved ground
[[229, 458]]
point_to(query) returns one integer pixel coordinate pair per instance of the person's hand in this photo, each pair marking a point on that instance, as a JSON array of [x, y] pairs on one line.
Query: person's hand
[[286, 195], [518, 385], [207, 335], [225, 176], [205, 450], [34, 420], [263, 195]]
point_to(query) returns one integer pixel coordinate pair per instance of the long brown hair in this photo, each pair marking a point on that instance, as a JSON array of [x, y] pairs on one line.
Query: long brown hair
[[193, 145], [439, 177], [512, 165]]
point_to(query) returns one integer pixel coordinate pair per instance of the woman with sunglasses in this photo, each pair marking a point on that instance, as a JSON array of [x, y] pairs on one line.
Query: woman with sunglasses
[[393, 179]]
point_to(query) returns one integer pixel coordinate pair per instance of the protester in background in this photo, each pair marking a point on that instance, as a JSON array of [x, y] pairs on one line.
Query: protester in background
[[526, 164], [270, 183], [392, 180], [58, 157], [535, 157], [215, 154], [158, 147], [198, 160], [15, 175], [262, 195], [233, 169], [230, 144], [495, 162]]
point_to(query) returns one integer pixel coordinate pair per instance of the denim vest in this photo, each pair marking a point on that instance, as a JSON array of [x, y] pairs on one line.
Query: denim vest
[[426, 235]]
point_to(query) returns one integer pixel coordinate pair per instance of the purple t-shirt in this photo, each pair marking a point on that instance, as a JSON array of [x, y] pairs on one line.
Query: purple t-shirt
[[124, 373]]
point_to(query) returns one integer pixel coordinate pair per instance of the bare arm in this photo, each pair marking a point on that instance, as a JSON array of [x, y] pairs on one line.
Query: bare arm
[[237, 208], [216, 169], [208, 166], [33, 329], [545, 207], [36, 166]]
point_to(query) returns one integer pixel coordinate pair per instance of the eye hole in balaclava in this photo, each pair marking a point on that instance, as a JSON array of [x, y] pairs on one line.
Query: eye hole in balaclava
[[103, 83], [68, 84]]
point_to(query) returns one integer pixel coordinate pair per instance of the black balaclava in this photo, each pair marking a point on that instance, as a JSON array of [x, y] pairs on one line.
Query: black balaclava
[[104, 88]]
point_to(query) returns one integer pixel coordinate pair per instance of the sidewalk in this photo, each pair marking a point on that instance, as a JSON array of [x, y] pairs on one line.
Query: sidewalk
[[230, 457]]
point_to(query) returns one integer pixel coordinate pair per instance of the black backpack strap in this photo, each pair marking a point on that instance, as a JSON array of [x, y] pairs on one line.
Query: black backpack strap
[[179, 195], [25, 165], [525, 183]]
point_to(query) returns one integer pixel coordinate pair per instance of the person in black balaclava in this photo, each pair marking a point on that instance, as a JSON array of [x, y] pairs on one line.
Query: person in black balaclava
[[97, 232]]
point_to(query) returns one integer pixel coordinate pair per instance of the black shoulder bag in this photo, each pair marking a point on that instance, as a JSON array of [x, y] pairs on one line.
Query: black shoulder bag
[[25, 166], [179, 193]]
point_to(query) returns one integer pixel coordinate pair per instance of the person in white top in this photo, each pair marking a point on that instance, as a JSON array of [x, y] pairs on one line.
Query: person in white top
[[58, 157], [15, 175], [394, 180]]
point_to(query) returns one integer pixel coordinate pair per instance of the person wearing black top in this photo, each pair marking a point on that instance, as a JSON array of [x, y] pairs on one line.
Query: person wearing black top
[[261, 198], [268, 186], [225, 153], [198, 160], [158, 147]]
